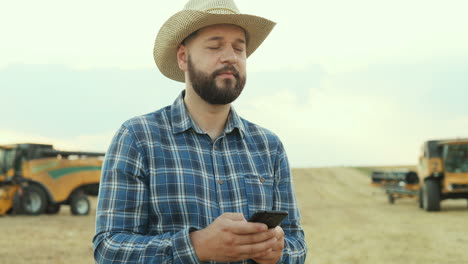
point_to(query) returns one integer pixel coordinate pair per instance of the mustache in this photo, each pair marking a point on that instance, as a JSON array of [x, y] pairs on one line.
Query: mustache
[[226, 68]]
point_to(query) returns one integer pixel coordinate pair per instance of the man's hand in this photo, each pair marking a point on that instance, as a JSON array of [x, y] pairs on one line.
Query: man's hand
[[274, 255], [231, 238]]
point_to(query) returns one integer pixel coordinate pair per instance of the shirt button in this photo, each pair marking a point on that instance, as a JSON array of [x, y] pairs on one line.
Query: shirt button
[[215, 147], [262, 180], [220, 182]]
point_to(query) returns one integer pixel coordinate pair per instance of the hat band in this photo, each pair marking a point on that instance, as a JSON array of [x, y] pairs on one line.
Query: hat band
[[218, 10]]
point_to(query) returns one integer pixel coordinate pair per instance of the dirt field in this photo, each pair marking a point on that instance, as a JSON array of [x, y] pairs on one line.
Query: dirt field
[[348, 221], [345, 219]]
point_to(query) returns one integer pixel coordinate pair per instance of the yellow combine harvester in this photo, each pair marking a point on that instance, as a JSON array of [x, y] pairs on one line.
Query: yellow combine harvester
[[37, 179], [443, 172]]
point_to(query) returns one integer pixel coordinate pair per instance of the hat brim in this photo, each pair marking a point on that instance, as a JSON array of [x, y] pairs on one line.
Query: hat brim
[[183, 23]]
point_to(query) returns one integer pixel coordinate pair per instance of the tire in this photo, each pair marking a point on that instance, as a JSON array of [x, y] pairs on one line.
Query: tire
[[79, 204], [17, 209], [411, 178], [420, 198], [431, 195], [391, 199], [53, 208], [33, 201]]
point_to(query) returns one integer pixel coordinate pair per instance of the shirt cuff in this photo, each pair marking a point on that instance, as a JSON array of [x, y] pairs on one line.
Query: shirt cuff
[[183, 249]]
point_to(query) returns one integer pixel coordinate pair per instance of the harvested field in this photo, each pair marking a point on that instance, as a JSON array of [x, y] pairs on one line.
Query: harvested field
[[346, 221]]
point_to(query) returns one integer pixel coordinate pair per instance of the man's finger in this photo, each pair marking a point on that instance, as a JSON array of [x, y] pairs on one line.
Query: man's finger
[[249, 251], [245, 228], [234, 216], [262, 255], [253, 238]]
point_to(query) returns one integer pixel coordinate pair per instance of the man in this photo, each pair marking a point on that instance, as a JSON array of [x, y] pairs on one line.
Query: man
[[178, 184]]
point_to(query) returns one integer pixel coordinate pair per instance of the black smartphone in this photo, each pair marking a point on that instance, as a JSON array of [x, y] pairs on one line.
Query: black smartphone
[[270, 218]]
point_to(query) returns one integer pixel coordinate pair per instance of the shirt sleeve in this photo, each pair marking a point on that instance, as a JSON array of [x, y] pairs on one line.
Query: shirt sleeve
[[295, 248], [122, 213]]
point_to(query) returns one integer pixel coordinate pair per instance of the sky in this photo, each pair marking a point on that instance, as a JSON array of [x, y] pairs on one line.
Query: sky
[[342, 83]]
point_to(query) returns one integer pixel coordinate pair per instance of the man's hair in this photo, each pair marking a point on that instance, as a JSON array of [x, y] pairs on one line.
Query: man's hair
[[189, 37]]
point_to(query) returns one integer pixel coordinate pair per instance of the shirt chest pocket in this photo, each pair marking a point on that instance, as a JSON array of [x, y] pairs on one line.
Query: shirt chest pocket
[[259, 192]]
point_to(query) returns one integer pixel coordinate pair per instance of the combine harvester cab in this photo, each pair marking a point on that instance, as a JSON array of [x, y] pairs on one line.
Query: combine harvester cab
[[37, 179], [397, 183], [443, 172]]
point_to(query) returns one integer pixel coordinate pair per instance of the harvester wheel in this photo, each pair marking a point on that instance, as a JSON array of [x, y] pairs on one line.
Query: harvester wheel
[[17, 208], [79, 204], [33, 201], [420, 198], [431, 195]]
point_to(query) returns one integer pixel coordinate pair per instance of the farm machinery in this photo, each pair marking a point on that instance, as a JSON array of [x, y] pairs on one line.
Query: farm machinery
[[397, 183], [442, 173], [37, 179]]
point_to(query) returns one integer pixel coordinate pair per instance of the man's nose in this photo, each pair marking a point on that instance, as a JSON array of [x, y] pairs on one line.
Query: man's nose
[[229, 56]]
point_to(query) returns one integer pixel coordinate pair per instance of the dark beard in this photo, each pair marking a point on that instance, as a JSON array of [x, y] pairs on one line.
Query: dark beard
[[205, 84]]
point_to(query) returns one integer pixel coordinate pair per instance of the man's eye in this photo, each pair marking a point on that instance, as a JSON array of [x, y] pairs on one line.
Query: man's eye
[[213, 48], [239, 49]]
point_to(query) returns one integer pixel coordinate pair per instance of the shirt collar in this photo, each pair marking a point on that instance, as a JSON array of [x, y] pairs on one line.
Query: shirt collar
[[234, 121], [182, 121]]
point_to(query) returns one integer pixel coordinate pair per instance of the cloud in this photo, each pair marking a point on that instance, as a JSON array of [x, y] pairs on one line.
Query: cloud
[[378, 115], [57, 101]]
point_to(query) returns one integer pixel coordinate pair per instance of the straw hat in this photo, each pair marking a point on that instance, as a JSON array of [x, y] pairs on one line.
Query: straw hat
[[198, 14]]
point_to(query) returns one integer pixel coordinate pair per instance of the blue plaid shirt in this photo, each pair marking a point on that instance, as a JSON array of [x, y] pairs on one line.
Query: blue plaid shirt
[[164, 177]]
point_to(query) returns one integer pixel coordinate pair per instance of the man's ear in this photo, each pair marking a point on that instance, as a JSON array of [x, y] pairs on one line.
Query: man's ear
[[182, 57]]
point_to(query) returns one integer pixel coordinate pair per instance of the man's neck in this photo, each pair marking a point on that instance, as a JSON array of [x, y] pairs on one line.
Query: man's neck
[[210, 118]]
